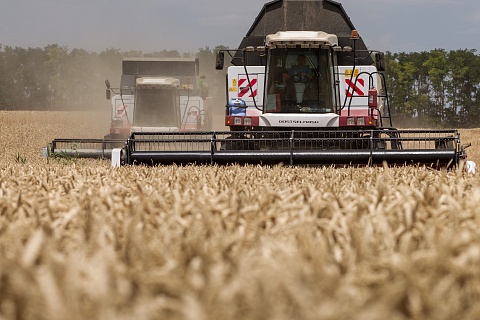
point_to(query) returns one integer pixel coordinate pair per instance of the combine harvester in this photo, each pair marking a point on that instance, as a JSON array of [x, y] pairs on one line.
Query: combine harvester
[[155, 94], [301, 97]]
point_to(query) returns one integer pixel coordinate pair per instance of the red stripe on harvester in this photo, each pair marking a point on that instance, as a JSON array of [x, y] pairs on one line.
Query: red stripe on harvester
[[357, 90], [247, 89]]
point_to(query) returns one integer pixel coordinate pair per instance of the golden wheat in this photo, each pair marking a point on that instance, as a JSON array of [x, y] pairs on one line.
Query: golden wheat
[[81, 240]]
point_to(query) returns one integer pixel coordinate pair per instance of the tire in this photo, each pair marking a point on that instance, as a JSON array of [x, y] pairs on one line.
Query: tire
[[444, 144], [231, 143], [395, 142]]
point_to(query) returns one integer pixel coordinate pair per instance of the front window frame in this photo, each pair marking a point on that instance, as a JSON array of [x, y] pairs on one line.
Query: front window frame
[[161, 111], [282, 85]]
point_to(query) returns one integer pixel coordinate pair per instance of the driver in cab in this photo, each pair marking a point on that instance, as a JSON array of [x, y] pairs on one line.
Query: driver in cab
[[300, 74]]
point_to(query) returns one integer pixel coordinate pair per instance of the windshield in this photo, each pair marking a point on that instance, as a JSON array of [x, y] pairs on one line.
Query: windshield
[[299, 80], [155, 108]]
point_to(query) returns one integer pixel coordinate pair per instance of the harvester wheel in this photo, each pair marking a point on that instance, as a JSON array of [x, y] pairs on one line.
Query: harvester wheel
[[360, 142], [378, 143], [395, 142], [367, 143], [233, 143], [381, 144], [444, 144]]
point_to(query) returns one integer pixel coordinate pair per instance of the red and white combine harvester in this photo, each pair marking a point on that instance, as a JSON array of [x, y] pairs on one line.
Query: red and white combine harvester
[[155, 94], [301, 107], [158, 94]]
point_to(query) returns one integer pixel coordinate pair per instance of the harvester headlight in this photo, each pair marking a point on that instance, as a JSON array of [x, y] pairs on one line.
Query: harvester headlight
[[361, 121], [237, 121], [249, 49], [347, 49], [247, 121], [261, 48], [117, 122], [337, 48], [291, 45], [350, 121]]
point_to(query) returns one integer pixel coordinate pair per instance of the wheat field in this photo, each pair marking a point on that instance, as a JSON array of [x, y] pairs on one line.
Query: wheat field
[[82, 240]]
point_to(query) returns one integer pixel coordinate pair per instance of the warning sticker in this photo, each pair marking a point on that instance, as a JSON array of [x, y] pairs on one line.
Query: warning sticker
[[232, 89], [348, 72], [355, 87], [234, 82], [247, 89]]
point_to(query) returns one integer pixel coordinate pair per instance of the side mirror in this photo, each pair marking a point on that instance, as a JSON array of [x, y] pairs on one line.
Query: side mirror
[[220, 60], [380, 61], [107, 92]]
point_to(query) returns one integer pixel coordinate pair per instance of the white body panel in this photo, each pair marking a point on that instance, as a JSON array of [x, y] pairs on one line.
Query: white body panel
[[189, 109], [154, 129], [157, 82], [238, 85], [256, 74], [299, 120], [300, 37], [116, 157], [122, 107], [471, 167], [358, 91]]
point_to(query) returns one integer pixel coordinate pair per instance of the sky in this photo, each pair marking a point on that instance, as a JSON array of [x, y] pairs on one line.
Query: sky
[[187, 25]]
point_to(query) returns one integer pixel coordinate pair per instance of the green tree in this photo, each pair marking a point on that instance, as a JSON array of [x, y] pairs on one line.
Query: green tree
[[4, 97], [463, 87], [56, 58], [438, 80]]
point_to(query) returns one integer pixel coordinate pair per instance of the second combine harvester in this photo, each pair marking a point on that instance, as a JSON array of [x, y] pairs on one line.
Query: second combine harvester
[[299, 96], [155, 94]]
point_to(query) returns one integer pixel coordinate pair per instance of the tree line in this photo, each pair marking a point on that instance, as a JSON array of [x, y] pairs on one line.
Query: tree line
[[434, 89], [437, 88]]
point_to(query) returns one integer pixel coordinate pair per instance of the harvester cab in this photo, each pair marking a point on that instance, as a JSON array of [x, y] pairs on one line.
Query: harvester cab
[[299, 79], [157, 105], [153, 106], [302, 86], [147, 77]]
